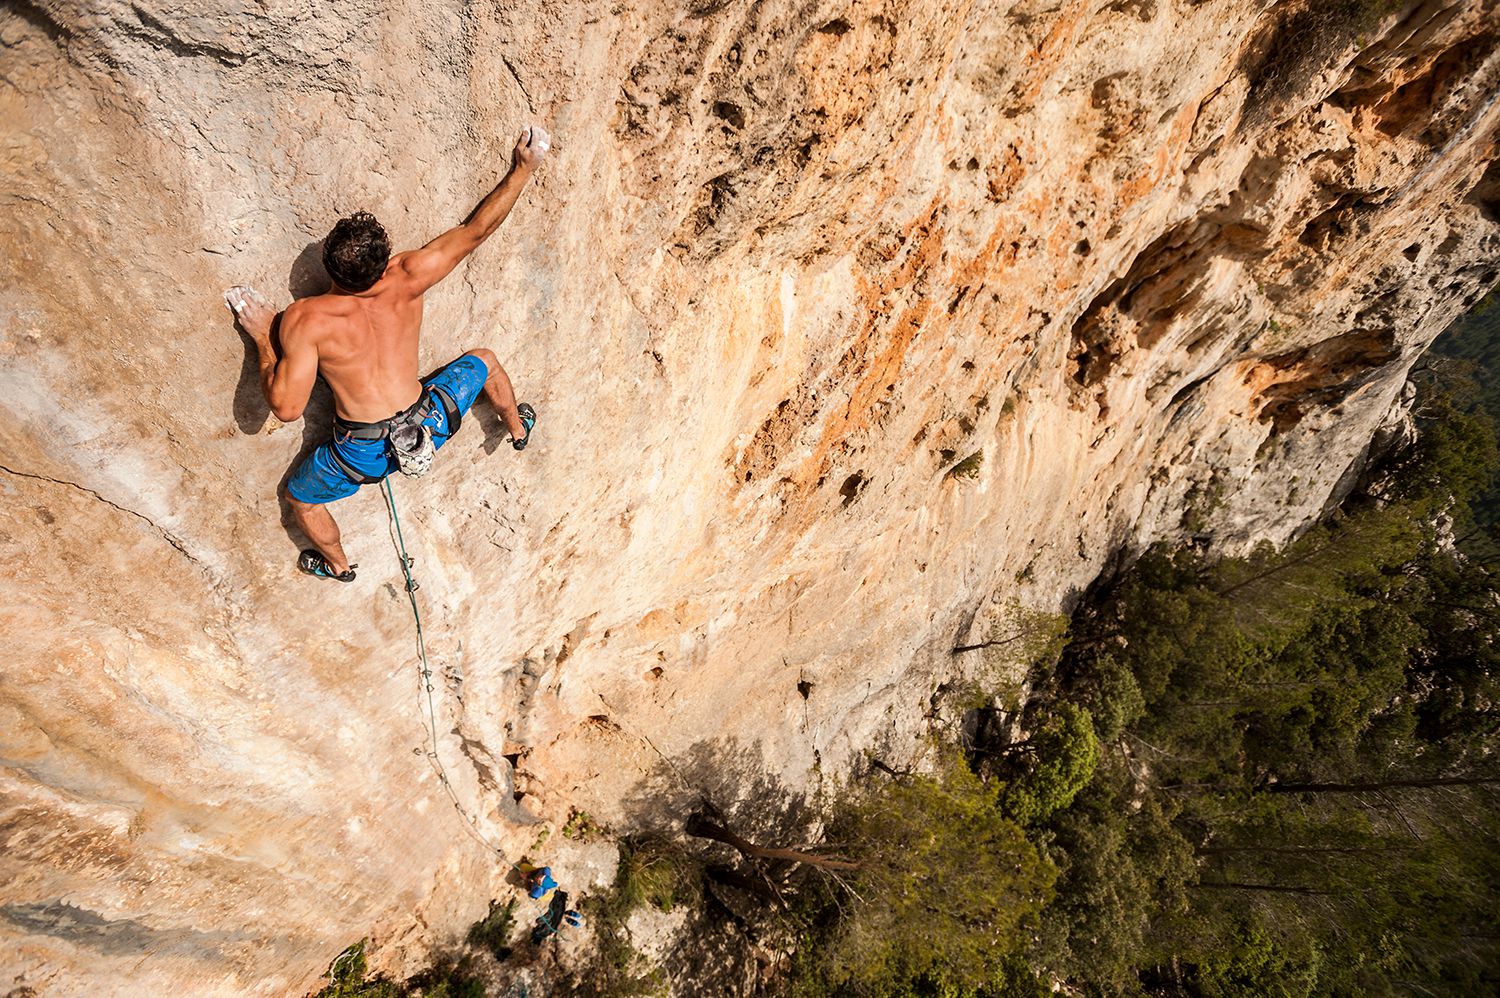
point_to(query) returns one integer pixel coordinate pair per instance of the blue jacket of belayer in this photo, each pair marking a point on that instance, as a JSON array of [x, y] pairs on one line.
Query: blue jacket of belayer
[[541, 889]]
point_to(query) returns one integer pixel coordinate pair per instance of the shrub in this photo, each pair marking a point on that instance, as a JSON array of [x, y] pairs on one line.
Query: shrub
[[1301, 42], [493, 931], [448, 977], [1062, 756], [651, 873], [969, 467], [346, 977], [582, 827]]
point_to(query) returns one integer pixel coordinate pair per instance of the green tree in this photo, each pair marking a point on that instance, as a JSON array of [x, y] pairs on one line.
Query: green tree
[[944, 887], [1124, 867], [1308, 736], [1054, 765]]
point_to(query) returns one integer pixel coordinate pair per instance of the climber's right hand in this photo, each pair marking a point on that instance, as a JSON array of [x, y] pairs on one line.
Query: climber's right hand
[[532, 148]]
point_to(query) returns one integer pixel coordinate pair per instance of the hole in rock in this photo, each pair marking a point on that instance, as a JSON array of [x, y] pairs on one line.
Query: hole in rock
[[852, 487], [804, 688], [729, 112], [656, 672], [837, 26], [1412, 252]]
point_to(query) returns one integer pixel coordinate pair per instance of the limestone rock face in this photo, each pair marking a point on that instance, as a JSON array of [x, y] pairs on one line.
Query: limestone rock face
[[1138, 270]]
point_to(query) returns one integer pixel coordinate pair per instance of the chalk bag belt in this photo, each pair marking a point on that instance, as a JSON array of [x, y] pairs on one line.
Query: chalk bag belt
[[382, 430]]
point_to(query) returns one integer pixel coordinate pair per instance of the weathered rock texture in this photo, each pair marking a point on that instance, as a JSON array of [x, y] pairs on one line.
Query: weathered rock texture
[[1163, 262]]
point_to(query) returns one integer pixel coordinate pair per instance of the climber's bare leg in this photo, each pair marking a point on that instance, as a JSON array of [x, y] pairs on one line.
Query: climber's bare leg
[[498, 390], [319, 526]]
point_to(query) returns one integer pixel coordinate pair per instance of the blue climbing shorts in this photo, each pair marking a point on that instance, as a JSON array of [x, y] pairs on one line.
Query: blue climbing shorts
[[319, 478]]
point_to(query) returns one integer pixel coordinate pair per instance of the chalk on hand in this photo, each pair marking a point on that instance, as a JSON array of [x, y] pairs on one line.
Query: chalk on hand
[[241, 297]]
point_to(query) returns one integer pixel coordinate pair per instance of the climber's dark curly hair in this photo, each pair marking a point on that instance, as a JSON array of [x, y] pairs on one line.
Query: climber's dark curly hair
[[356, 251]]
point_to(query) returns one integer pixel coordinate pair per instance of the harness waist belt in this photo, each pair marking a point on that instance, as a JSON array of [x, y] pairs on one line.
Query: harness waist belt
[[379, 429], [382, 429]]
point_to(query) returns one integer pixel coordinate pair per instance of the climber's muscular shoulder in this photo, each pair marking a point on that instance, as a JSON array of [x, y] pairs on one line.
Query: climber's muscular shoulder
[[377, 320]]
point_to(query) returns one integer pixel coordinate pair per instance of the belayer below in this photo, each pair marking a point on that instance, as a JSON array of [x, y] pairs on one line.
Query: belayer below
[[538, 882], [362, 336]]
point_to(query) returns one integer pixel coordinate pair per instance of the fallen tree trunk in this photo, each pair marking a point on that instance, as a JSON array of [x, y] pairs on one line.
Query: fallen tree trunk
[[708, 824]]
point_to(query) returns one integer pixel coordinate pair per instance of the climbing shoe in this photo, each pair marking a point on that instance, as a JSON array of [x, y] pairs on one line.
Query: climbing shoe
[[528, 420], [311, 562]]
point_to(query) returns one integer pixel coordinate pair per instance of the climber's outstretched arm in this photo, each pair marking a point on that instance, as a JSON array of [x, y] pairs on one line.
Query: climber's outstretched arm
[[435, 261]]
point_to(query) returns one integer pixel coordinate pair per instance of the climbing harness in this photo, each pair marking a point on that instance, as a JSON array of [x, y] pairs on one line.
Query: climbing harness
[[407, 436], [425, 676]]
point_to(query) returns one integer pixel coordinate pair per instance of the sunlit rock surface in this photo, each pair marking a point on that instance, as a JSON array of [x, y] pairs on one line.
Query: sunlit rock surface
[[1162, 263]]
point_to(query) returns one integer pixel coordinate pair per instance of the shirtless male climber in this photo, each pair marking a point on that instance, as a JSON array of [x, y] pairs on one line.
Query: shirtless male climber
[[362, 337]]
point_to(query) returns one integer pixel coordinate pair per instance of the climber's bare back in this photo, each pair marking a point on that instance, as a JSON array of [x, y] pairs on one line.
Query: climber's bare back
[[366, 343]]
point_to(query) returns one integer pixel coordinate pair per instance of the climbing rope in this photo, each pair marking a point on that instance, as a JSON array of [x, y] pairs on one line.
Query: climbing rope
[[425, 672]]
